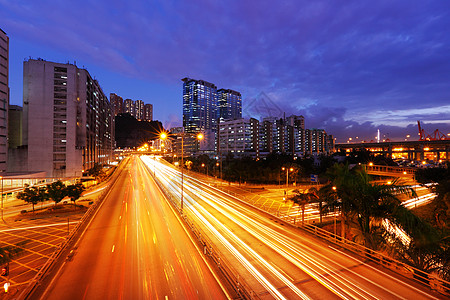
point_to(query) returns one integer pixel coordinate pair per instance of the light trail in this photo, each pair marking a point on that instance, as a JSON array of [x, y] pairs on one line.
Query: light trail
[[39, 226], [206, 203]]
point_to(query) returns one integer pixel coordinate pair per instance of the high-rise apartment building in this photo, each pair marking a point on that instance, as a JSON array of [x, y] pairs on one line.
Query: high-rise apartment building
[[4, 98], [229, 104], [296, 132], [15, 117], [139, 110], [239, 136], [117, 103], [148, 112], [274, 135], [316, 141], [68, 120], [129, 107], [199, 105]]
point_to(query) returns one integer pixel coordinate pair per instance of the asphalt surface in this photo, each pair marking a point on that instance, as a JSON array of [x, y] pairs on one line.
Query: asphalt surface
[[135, 248], [277, 260]]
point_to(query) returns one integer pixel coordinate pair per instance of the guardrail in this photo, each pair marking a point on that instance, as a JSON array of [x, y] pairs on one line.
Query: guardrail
[[430, 280], [29, 290], [239, 285]]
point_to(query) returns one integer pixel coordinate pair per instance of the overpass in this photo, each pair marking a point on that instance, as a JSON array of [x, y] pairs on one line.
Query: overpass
[[390, 171], [438, 151]]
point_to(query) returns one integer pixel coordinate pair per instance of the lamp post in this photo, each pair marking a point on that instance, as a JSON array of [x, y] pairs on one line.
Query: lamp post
[[2, 197], [199, 137], [287, 178]]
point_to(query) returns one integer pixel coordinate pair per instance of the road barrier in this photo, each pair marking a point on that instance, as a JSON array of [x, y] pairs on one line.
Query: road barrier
[[432, 281], [239, 285], [27, 293]]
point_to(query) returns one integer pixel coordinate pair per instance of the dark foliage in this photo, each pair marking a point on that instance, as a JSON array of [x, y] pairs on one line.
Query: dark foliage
[[131, 133]]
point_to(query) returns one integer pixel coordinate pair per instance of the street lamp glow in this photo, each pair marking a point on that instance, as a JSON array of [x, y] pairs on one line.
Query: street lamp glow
[[163, 135], [200, 136]]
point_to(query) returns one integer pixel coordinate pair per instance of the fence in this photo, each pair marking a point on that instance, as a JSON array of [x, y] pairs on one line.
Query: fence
[[27, 293], [430, 280]]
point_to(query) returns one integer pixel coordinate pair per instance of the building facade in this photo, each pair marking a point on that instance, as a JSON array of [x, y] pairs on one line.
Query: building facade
[[239, 137], [117, 103], [68, 121], [199, 105], [148, 112], [4, 98], [129, 107], [139, 110], [229, 104], [15, 119]]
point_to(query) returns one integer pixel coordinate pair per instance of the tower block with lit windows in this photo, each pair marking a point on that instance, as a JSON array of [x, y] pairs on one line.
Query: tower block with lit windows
[[68, 120]]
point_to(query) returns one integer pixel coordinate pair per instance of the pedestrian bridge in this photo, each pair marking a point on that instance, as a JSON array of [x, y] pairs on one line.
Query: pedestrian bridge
[[390, 171]]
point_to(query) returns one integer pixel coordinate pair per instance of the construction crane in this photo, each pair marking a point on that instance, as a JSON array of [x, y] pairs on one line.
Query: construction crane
[[436, 136]]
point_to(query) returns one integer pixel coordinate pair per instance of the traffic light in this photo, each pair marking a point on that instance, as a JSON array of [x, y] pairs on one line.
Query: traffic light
[[5, 271]]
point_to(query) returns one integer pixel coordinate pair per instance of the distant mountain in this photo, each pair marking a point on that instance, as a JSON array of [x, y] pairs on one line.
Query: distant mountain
[[133, 133]]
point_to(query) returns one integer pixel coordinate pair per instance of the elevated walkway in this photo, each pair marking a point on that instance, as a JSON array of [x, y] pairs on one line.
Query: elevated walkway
[[390, 171]]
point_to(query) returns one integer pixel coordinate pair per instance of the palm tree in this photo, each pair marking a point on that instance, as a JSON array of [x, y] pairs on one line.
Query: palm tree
[[367, 203], [304, 198]]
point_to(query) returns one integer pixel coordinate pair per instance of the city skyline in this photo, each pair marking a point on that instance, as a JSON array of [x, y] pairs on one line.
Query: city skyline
[[349, 69]]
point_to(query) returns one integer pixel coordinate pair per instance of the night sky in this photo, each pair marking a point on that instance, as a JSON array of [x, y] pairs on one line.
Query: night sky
[[350, 67]]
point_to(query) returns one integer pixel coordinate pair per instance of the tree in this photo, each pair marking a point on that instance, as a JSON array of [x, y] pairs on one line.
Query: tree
[[96, 171], [32, 195], [74, 191], [424, 249], [366, 203], [304, 198], [56, 191]]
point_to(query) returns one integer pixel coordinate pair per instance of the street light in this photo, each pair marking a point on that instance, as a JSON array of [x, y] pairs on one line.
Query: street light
[[287, 178], [2, 197], [164, 136]]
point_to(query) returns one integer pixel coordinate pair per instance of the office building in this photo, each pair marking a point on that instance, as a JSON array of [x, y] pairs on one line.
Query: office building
[[200, 111], [199, 105], [68, 120], [229, 104], [4, 98]]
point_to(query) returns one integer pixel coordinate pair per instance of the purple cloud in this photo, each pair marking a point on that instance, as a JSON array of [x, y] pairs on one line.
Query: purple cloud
[[344, 65]]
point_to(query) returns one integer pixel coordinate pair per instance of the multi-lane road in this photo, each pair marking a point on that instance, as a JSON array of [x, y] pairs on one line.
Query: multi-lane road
[[276, 260], [135, 248]]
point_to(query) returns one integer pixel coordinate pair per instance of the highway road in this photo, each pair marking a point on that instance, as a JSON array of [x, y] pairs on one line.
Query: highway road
[[275, 260], [135, 248]]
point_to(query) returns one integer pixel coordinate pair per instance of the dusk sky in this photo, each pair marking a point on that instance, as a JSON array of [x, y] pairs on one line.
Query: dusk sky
[[349, 67]]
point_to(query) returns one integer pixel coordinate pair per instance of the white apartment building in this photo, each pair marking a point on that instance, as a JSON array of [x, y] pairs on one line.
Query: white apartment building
[[68, 120], [238, 137], [4, 98]]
